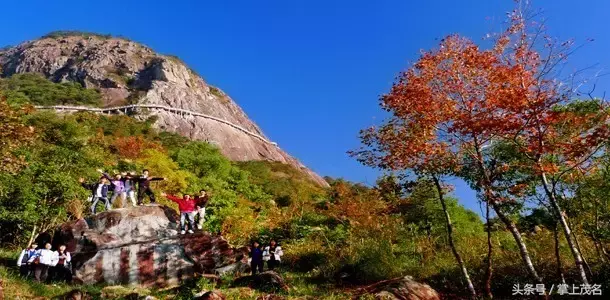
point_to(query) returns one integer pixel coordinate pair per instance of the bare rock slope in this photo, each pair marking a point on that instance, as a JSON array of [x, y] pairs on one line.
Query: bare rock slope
[[129, 73]]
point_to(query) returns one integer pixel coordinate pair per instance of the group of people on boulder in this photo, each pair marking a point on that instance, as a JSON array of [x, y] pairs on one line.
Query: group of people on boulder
[[122, 185], [272, 254], [45, 264]]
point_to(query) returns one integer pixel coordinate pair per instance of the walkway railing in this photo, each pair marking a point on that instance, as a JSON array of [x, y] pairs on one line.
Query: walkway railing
[[179, 111]]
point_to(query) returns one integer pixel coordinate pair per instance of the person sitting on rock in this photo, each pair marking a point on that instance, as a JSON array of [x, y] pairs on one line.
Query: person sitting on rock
[[144, 186], [129, 185], [273, 255], [202, 202], [256, 256], [43, 262], [23, 262], [186, 205], [118, 187], [99, 192]]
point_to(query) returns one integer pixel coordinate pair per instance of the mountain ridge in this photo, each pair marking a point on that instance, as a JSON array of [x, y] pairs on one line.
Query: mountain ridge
[[127, 72]]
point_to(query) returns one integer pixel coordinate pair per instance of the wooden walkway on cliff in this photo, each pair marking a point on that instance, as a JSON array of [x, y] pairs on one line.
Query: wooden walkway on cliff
[[129, 108]]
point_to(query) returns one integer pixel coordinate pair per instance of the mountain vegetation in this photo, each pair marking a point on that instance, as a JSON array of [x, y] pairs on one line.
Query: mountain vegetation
[[534, 153]]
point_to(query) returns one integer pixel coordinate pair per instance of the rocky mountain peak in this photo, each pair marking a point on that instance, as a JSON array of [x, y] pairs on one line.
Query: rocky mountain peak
[[126, 72]]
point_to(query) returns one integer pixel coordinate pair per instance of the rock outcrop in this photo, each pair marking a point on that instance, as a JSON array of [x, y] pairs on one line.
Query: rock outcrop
[[269, 281], [402, 288], [129, 73], [141, 245]]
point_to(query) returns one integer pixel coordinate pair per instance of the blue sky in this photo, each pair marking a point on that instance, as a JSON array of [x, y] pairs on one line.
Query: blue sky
[[308, 72]]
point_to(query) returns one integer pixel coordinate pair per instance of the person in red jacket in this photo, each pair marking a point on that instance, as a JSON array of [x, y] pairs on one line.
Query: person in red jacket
[[186, 205]]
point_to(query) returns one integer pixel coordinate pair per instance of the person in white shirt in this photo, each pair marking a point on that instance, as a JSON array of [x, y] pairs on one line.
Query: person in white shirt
[[273, 255], [62, 271], [25, 268], [43, 262]]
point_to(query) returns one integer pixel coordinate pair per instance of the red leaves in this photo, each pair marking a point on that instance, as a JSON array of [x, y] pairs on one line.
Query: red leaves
[[131, 147], [458, 97]]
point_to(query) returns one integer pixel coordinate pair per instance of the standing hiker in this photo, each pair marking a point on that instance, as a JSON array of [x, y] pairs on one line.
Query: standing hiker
[[25, 267], [99, 192], [118, 187], [186, 205], [273, 255], [256, 255], [144, 186], [202, 202], [63, 270], [43, 262], [130, 186]]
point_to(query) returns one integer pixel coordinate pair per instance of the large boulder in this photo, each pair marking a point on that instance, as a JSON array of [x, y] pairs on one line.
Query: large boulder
[[266, 281], [141, 245], [404, 288]]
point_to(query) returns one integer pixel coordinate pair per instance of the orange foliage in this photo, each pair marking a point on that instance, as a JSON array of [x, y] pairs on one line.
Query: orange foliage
[[460, 98], [131, 147]]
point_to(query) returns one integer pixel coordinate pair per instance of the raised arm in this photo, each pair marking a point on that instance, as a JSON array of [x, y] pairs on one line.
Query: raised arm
[[172, 197], [110, 179], [156, 178]]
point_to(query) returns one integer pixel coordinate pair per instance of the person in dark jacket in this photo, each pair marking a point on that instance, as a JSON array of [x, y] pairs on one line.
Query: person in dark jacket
[[256, 255], [186, 205], [25, 268], [99, 193], [144, 186], [118, 187], [129, 185], [202, 202]]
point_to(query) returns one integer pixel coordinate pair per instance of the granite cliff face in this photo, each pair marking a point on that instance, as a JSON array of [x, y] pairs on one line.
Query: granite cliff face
[[126, 72]]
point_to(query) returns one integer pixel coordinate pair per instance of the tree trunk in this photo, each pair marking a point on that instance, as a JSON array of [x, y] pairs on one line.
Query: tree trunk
[[32, 236], [566, 228], [510, 225], [557, 254], [486, 186], [584, 259], [488, 271], [599, 246], [458, 258]]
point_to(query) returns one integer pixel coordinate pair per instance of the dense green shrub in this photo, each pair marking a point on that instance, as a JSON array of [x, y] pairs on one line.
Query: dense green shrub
[[37, 90]]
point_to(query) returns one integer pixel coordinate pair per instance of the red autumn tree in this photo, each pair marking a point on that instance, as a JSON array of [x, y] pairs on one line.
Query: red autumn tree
[[554, 132], [449, 107]]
